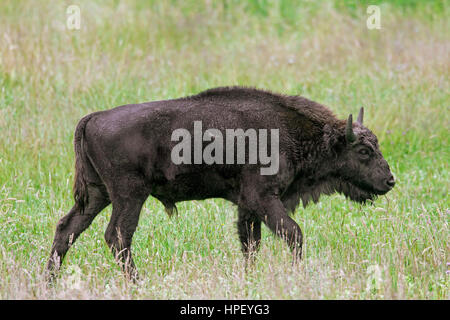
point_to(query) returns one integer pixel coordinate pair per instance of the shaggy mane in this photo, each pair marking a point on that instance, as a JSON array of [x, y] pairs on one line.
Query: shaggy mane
[[303, 106]]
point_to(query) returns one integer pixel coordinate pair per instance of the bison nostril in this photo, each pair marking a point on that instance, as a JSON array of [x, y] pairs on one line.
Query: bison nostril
[[391, 182]]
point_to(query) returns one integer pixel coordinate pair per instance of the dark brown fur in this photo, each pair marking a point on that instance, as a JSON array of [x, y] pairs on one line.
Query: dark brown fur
[[122, 156]]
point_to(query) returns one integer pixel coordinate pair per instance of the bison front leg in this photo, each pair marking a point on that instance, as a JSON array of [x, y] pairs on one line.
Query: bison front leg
[[274, 215], [249, 229], [272, 212]]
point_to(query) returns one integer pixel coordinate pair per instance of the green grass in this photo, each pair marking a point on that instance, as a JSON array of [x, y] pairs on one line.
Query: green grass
[[129, 52]]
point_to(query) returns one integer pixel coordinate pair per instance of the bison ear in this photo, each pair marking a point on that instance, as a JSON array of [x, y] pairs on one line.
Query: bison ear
[[334, 140], [360, 116], [349, 134]]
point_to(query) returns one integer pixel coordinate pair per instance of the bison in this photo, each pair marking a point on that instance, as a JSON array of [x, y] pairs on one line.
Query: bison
[[125, 154]]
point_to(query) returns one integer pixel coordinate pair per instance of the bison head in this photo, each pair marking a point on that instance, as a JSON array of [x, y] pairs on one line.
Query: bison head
[[361, 171]]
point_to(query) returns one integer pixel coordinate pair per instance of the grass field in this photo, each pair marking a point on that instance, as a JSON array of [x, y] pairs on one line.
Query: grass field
[[136, 51]]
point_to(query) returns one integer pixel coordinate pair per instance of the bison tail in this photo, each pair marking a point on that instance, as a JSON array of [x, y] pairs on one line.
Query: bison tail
[[80, 193]]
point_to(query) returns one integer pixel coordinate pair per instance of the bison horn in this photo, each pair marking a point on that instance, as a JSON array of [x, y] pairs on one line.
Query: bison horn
[[349, 134], [361, 116]]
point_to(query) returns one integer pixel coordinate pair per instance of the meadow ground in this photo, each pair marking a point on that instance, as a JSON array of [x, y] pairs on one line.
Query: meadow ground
[[129, 52]]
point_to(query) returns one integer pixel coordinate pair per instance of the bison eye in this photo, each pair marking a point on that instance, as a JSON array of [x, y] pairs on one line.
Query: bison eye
[[364, 152]]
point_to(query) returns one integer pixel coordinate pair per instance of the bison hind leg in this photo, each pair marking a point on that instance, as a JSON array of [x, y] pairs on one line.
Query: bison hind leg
[[73, 224]]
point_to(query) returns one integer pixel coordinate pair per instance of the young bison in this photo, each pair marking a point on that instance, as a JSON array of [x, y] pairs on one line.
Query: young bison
[[123, 155]]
